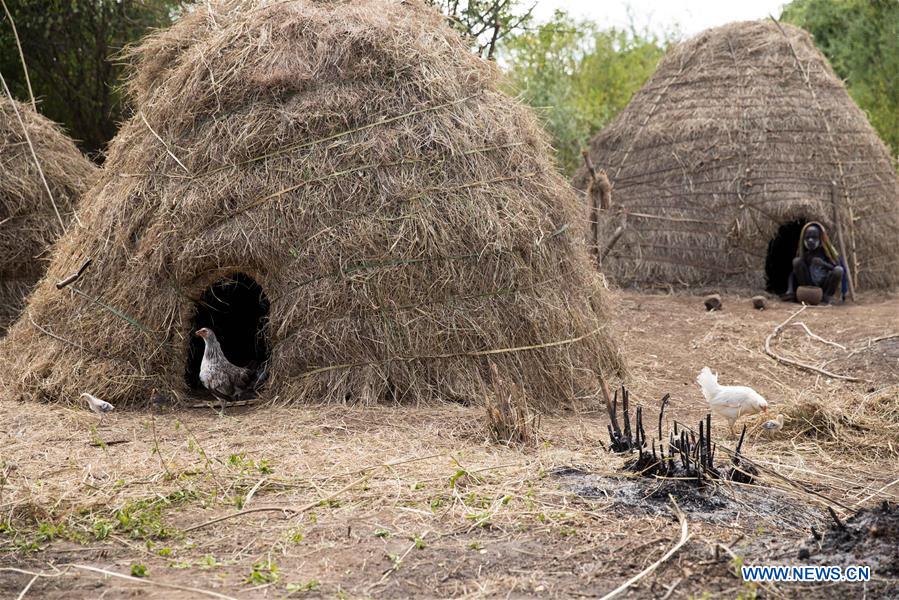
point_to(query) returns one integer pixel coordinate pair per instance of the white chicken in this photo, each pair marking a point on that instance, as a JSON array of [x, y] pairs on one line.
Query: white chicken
[[730, 401], [101, 407], [218, 374]]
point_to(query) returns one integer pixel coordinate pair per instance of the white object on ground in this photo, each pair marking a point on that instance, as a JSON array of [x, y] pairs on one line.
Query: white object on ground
[[100, 407], [774, 424], [729, 401]]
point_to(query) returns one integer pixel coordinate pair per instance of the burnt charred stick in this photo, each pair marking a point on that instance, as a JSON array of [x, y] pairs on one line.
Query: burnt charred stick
[[637, 443], [815, 534], [836, 519], [625, 411], [641, 433], [616, 438], [665, 400], [701, 447], [736, 459], [667, 461], [613, 413], [708, 441]]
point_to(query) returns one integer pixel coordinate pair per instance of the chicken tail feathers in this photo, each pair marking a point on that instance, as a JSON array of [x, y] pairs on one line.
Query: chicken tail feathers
[[261, 377], [708, 382]]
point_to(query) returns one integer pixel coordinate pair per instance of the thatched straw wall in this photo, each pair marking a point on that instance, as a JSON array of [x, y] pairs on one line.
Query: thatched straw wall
[[28, 221], [740, 130], [402, 216]]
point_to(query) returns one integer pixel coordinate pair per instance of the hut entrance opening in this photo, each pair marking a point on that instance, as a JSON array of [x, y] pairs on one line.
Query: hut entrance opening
[[781, 251], [236, 310]]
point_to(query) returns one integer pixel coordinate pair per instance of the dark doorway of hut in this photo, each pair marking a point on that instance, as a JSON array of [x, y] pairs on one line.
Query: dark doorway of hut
[[236, 309], [781, 251]]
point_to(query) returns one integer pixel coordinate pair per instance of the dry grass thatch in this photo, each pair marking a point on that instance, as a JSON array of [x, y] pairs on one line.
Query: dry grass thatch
[[402, 216], [741, 130], [509, 420], [28, 220]]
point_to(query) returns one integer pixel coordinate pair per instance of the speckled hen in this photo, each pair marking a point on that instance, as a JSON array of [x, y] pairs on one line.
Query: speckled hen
[[218, 374]]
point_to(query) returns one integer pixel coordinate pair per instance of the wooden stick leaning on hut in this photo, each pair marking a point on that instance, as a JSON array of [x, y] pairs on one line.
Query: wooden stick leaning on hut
[[616, 235], [593, 242], [838, 225], [599, 191]]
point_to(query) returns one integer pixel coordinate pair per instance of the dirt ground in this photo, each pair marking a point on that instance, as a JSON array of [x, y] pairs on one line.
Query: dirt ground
[[390, 502]]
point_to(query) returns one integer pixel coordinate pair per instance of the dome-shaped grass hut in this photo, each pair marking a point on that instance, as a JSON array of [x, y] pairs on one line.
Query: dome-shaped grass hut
[[743, 134], [30, 219], [340, 192]]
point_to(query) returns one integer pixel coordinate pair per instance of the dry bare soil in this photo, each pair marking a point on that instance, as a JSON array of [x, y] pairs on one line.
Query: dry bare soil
[[356, 502]]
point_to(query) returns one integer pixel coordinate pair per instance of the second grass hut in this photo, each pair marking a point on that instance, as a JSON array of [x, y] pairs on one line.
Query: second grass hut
[[742, 136], [42, 177]]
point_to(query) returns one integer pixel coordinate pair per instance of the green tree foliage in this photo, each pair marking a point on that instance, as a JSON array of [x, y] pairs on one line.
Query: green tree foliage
[[69, 46], [861, 40], [578, 76], [485, 22]]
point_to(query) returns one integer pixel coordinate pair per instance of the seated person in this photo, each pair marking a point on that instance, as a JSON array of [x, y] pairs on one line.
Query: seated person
[[817, 264]]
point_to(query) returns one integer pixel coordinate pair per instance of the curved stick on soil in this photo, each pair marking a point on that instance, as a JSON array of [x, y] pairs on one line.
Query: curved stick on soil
[[684, 536], [796, 363], [815, 336]]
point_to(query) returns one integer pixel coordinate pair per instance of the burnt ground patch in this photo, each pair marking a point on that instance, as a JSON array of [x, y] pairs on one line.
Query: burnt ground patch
[[869, 537], [720, 504]]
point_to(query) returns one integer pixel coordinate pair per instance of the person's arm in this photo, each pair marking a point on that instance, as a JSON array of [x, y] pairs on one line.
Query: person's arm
[[823, 262]]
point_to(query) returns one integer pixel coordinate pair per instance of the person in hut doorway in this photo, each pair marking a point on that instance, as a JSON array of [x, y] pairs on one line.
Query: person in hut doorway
[[817, 264]]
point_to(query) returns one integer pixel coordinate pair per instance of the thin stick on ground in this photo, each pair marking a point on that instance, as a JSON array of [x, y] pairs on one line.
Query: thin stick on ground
[[880, 491], [684, 536], [815, 336], [35, 578], [795, 363], [148, 581], [286, 509], [884, 337]]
